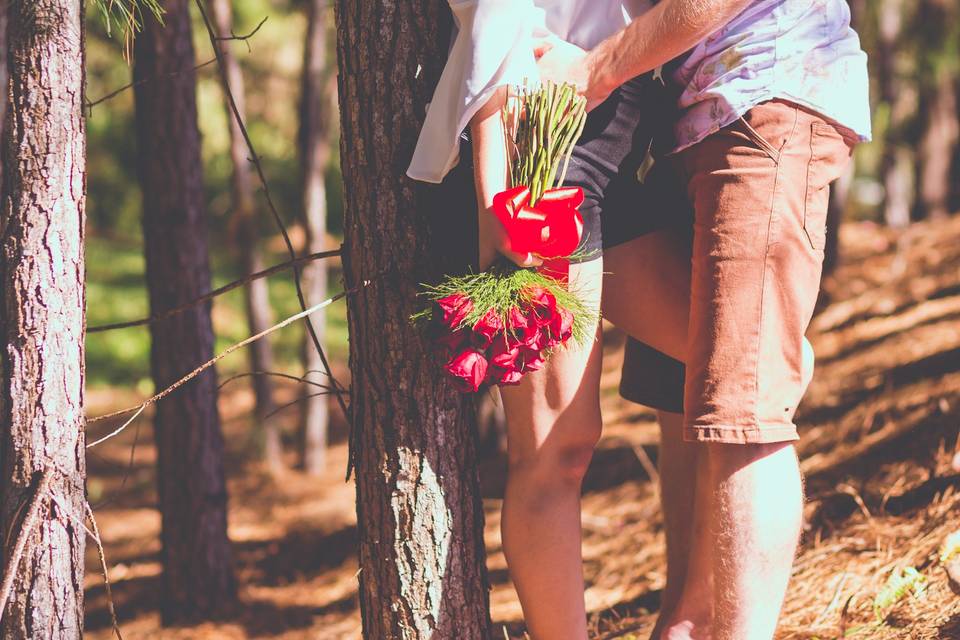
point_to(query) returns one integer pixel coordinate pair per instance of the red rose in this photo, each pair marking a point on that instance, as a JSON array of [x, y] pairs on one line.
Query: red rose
[[561, 326], [469, 369], [452, 340], [531, 360], [454, 309], [505, 377], [524, 327], [547, 340], [503, 353], [543, 303], [486, 328]]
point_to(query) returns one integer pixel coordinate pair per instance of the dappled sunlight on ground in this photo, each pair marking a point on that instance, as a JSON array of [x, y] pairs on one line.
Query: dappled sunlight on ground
[[879, 430]]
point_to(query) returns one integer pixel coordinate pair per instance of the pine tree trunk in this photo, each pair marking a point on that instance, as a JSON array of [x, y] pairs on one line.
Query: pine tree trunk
[[420, 519], [938, 108], [4, 75], [315, 154], [198, 578], [42, 319], [896, 166], [937, 144], [257, 298]]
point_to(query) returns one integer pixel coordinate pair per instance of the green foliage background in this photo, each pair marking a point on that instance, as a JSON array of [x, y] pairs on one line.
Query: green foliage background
[[116, 285]]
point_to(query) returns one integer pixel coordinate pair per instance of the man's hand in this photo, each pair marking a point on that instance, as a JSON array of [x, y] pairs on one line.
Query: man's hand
[[560, 62]]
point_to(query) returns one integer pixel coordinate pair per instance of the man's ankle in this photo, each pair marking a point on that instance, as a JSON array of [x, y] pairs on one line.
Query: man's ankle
[[684, 628]]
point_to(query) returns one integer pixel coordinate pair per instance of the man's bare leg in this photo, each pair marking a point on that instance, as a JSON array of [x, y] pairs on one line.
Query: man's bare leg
[[756, 517], [679, 463]]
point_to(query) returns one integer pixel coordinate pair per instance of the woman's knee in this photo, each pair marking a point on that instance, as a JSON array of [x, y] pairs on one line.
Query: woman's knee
[[562, 456]]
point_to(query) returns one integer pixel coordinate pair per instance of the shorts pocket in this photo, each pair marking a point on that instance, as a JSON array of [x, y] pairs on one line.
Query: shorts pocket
[[829, 154], [759, 140]]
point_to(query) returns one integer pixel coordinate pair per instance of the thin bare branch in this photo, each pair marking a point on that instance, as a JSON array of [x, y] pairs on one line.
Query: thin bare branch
[[29, 522], [245, 39], [255, 159], [113, 94], [216, 292], [209, 363], [301, 379], [103, 567], [287, 405]]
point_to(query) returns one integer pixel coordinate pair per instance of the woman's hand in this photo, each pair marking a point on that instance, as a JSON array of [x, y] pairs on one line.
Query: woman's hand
[[490, 167]]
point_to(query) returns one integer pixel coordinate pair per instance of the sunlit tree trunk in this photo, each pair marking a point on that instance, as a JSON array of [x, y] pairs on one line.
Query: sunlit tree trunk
[[316, 105], [896, 165], [419, 513], [257, 298], [197, 574], [42, 321]]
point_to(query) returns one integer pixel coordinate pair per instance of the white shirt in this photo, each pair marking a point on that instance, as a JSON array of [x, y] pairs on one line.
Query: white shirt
[[800, 50], [492, 47]]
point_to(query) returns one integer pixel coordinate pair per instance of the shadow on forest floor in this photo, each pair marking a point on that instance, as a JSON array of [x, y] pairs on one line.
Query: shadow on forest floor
[[878, 431]]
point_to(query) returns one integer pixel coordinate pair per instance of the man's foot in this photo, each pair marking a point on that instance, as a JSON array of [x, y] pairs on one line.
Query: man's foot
[[684, 628]]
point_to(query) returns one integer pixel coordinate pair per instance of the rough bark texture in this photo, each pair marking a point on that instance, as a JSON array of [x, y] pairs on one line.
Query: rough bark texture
[[4, 76], [257, 295], [419, 513], [197, 579], [315, 111], [42, 317]]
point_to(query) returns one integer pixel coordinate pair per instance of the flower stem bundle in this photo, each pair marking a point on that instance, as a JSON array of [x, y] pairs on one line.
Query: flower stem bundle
[[546, 124], [499, 325]]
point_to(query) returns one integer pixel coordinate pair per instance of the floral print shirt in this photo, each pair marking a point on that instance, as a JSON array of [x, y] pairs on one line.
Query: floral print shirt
[[798, 50]]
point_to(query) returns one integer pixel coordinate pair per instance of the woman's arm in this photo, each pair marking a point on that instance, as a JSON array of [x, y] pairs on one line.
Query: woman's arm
[[490, 169]]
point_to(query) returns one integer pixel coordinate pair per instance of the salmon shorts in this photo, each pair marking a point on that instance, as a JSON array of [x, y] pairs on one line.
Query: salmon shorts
[[759, 189]]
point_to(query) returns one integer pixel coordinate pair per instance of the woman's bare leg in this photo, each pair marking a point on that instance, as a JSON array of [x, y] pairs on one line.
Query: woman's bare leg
[[553, 424]]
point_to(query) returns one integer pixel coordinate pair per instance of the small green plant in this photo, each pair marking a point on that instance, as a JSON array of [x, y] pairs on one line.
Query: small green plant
[[900, 584]]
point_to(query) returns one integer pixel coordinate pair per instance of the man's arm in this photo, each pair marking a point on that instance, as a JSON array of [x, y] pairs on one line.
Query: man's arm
[[670, 28]]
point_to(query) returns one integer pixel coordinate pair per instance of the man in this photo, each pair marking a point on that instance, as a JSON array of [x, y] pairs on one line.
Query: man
[[774, 97]]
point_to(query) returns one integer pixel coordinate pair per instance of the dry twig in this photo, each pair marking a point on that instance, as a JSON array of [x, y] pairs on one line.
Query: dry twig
[[29, 522]]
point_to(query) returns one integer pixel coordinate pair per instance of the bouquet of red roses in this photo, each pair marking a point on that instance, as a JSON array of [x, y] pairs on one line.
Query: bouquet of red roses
[[498, 325]]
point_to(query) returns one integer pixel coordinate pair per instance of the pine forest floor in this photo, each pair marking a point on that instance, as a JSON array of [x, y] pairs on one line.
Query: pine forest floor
[[879, 432]]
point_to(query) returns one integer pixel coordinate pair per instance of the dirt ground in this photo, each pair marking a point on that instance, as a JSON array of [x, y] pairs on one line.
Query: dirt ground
[[879, 431]]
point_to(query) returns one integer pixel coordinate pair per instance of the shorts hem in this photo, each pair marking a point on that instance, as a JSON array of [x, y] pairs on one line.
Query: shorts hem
[[740, 435]]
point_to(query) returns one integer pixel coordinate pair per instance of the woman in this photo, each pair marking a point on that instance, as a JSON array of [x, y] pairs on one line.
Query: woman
[[553, 416]]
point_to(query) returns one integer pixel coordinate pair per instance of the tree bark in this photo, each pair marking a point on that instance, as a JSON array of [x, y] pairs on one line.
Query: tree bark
[[419, 514], [896, 167], [198, 579], [937, 145], [257, 295], [315, 110], [42, 308], [938, 108], [4, 76]]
